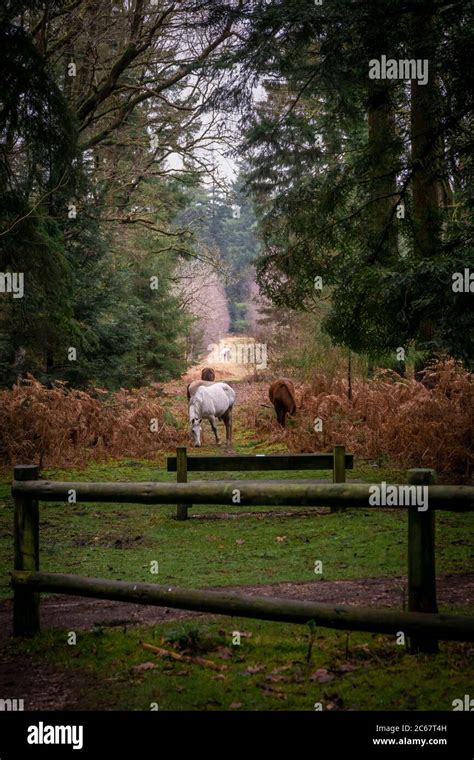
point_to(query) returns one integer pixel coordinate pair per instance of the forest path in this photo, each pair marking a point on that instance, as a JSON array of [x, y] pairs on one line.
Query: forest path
[[249, 395], [225, 370]]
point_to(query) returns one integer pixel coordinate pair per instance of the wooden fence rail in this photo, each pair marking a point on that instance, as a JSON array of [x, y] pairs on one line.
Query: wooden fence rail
[[450, 627], [422, 622], [337, 461], [447, 498]]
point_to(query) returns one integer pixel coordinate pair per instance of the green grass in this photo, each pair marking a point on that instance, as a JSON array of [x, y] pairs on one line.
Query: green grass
[[267, 671], [121, 540]]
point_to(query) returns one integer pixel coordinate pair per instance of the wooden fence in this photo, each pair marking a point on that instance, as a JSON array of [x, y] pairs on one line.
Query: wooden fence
[[422, 623], [337, 461]]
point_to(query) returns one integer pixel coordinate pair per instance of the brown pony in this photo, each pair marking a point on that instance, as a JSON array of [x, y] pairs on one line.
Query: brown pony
[[208, 374], [282, 396]]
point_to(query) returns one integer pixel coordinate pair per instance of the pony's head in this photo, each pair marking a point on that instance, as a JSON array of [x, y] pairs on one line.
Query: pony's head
[[195, 420]]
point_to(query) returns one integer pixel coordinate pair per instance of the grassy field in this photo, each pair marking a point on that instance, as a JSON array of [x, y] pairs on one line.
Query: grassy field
[[121, 540], [269, 670]]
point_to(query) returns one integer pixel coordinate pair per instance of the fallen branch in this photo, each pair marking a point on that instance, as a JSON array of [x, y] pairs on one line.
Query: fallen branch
[[183, 657]]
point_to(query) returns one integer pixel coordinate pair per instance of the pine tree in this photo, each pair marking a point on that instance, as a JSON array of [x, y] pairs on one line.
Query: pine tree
[[336, 155]]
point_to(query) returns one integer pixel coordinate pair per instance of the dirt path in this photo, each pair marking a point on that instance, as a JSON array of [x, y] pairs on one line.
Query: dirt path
[[225, 370]]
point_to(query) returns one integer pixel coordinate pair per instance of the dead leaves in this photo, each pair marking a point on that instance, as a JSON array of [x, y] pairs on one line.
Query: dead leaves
[[333, 702], [435, 422], [321, 676], [66, 426], [275, 679], [282, 683], [282, 668], [143, 666], [346, 667], [224, 653], [271, 691]]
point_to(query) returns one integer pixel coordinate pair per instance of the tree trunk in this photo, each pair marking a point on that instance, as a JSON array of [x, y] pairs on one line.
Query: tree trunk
[[49, 362], [381, 139], [425, 156]]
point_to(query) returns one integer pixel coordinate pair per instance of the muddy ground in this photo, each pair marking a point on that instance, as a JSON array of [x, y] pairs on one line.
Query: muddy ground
[[50, 689]]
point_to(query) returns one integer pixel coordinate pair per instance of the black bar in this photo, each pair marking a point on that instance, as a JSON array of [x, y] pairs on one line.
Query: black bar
[[338, 733], [248, 463]]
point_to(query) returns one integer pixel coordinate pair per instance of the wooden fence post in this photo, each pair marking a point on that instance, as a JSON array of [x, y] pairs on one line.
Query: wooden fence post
[[339, 469], [182, 477], [26, 621], [421, 559]]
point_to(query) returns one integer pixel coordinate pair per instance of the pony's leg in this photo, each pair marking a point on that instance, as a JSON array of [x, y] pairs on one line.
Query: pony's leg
[[280, 410], [227, 419], [212, 421]]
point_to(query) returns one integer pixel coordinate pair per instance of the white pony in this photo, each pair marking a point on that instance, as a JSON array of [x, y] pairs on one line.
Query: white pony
[[211, 402]]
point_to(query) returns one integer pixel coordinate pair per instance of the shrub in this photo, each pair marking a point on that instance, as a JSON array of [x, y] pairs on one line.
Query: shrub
[[61, 426]]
